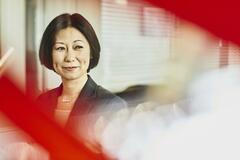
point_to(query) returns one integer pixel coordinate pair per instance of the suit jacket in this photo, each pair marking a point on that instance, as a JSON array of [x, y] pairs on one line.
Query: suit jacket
[[94, 101]]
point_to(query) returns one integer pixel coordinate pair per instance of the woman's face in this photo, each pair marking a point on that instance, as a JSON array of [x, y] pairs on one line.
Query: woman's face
[[71, 54]]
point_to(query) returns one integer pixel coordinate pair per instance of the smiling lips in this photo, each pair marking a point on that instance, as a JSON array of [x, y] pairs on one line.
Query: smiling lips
[[70, 68]]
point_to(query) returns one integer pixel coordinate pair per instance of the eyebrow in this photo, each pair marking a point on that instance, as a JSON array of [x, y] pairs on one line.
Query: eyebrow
[[73, 42], [60, 43], [78, 40]]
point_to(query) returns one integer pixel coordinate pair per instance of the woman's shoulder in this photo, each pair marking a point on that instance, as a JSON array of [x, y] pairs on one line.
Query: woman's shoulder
[[109, 98], [104, 93], [100, 94]]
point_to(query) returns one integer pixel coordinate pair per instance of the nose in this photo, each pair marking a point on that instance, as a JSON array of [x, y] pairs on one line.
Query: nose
[[70, 56]]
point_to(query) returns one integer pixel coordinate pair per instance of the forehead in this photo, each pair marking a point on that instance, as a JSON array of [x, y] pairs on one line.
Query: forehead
[[70, 34]]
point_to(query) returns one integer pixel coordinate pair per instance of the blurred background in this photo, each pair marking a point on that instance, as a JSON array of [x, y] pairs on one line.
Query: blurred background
[[138, 42], [136, 38], [146, 52]]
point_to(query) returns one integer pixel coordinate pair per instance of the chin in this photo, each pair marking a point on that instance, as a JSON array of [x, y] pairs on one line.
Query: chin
[[72, 77]]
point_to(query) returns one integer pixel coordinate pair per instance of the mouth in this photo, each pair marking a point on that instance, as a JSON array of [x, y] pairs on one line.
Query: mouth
[[70, 68]]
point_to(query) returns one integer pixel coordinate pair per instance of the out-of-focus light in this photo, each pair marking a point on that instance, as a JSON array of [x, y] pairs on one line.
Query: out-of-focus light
[[121, 2], [6, 56]]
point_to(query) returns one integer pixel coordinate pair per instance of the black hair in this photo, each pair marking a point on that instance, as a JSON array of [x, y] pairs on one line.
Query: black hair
[[63, 21]]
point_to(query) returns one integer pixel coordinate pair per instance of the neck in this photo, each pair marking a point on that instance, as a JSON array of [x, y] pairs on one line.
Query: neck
[[73, 87]]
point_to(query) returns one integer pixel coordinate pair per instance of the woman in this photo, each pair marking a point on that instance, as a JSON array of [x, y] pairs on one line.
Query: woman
[[70, 48]]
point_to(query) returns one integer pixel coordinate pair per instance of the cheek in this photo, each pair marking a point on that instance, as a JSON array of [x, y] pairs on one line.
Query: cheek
[[57, 57], [55, 68], [84, 60], [56, 60]]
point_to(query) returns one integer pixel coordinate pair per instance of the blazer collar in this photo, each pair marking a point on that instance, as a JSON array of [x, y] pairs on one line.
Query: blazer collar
[[85, 100], [88, 90]]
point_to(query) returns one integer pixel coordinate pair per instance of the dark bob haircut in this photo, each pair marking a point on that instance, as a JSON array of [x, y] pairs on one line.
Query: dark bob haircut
[[61, 22]]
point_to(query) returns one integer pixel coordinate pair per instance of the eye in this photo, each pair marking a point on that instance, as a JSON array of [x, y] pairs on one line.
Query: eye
[[60, 49], [77, 47]]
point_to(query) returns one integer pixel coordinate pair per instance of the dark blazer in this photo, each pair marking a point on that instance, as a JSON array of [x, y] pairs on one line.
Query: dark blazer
[[92, 102]]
